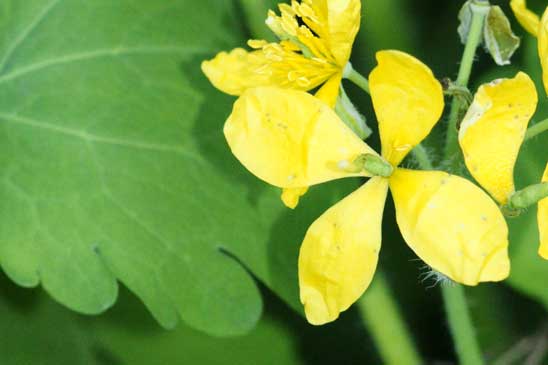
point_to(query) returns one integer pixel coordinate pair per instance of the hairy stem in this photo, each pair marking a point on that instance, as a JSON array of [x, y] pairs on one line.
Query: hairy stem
[[386, 325], [464, 334], [421, 155], [350, 115], [528, 196], [479, 12]]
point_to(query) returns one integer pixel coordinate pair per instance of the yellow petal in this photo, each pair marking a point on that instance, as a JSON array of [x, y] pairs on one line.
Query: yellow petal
[[272, 65], [329, 92], [291, 196], [528, 20], [291, 139], [542, 216], [232, 72], [408, 101], [330, 27], [543, 48], [340, 251], [492, 131], [452, 225], [344, 24]]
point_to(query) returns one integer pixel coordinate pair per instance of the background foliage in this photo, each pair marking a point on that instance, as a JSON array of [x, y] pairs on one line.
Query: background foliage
[[114, 175]]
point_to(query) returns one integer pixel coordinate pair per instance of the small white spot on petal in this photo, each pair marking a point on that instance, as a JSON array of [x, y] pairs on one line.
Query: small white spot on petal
[[475, 112], [403, 148], [343, 164]]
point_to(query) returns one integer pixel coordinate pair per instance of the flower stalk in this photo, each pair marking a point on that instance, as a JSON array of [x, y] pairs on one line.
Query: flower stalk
[[421, 155], [350, 115], [386, 325], [356, 78], [464, 334], [480, 9], [527, 197], [536, 129]]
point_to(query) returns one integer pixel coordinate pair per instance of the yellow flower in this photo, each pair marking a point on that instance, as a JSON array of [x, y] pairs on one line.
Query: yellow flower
[[538, 28], [290, 139], [307, 56], [491, 135]]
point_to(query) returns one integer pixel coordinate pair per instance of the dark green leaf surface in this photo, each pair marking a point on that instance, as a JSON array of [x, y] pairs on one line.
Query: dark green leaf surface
[[113, 165], [127, 336], [132, 339], [37, 331]]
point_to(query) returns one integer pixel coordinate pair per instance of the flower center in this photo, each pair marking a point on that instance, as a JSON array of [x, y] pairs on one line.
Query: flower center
[[372, 164], [305, 25]]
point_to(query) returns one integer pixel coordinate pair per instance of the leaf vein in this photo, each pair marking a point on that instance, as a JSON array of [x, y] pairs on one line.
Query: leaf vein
[[26, 32], [107, 52], [92, 138]]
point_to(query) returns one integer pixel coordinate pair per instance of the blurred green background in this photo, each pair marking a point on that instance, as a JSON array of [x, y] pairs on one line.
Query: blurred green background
[[128, 70]]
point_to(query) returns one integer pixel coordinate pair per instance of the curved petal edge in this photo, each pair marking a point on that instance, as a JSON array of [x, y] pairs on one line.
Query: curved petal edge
[[452, 225], [340, 251]]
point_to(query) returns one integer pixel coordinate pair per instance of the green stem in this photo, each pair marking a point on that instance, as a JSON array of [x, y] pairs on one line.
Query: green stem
[[479, 12], [350, 115], [385, 323], [536, 129], [356, 78], [528, 196], [464, 334], [420, 154], [466, 345]]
